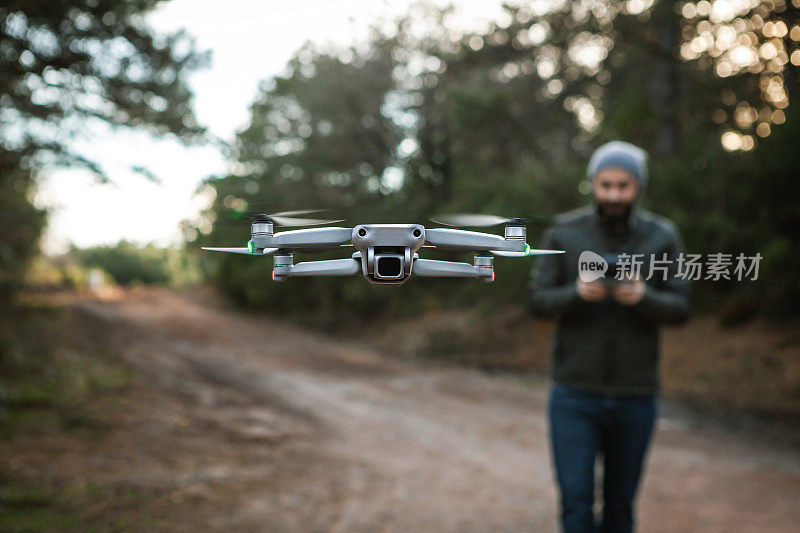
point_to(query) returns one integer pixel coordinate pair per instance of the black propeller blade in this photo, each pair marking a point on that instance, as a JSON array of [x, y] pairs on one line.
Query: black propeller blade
[[289, 218], [475, 220]]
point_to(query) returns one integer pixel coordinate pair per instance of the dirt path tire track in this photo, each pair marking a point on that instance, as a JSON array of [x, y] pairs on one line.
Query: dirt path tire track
[[376, 444]]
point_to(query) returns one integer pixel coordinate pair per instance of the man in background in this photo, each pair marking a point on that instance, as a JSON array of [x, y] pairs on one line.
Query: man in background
[[605, 355]]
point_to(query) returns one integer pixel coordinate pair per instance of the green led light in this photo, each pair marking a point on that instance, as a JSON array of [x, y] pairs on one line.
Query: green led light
[[527, 249], [250, 246]]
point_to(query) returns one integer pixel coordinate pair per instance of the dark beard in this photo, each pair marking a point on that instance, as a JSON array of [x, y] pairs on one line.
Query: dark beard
[[616, 217]]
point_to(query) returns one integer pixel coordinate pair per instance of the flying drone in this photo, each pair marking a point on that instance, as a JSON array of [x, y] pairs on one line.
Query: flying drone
[[386, 253]]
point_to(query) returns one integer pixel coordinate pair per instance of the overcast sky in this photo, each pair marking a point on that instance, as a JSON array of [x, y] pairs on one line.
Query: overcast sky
[[251, 40]]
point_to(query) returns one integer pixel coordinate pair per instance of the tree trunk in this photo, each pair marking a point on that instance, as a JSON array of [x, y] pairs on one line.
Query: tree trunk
[[664, 87]]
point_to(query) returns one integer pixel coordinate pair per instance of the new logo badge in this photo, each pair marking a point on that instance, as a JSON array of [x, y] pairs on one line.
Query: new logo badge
[[591, 266]]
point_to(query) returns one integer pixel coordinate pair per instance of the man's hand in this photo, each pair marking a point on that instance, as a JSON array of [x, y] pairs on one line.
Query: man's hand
[[591, 291], [629, 292]]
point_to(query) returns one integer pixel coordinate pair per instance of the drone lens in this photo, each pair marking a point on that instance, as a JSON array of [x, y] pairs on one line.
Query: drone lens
[[362, 232], [417, 232], [389, 267]]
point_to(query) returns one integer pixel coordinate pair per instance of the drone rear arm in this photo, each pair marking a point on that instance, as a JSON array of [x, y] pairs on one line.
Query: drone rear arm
[[458, 240], [314, 238]]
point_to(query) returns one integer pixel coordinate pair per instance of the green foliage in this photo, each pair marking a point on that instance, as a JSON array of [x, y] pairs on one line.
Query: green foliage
[[75, 506], [89, 59], [67, 65], [764, 216], [128, 263], [20, 224]]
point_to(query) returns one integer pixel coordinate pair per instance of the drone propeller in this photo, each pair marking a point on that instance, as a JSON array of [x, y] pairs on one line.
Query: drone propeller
[[288, 218], [245, 251], [475, 220], [528, 251]]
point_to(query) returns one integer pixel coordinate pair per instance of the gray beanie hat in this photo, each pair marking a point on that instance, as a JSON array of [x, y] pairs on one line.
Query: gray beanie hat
[[619, 154]]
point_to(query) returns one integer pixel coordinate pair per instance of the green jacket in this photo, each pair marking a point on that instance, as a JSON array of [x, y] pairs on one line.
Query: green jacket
[[606, 347]]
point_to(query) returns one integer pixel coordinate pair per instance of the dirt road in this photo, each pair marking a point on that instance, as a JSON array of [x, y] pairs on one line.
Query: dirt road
[[253, 425]]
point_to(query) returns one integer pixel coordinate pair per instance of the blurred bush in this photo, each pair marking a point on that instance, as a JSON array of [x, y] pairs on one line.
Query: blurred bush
[[127, 263]]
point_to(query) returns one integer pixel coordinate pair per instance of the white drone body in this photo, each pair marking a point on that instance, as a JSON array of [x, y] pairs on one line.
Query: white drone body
[[385, 253]]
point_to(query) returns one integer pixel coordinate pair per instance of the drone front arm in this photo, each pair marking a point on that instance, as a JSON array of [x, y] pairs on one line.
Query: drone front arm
[[463, 240], [447, 269], [313, 238], [330, 267]]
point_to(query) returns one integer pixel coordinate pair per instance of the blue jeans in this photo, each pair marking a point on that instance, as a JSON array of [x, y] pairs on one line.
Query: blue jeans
[[583, 425]]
